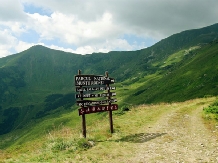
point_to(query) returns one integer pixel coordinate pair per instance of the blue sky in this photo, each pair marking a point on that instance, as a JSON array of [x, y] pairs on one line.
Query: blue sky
[[89, 26]]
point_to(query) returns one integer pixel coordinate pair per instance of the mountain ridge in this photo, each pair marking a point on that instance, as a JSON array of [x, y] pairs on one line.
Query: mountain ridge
[[40, 81]]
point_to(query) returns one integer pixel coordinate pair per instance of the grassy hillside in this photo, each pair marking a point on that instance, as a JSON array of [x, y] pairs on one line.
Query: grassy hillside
[[192, 77], [62, 141], [39, 82]]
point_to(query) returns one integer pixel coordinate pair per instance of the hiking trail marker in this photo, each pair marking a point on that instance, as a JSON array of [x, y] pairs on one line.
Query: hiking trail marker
[[90, 83]]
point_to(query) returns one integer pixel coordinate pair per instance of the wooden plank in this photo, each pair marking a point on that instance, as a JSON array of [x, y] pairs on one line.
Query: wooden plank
[[90, 83], [90, 102], [88, 80], [99, 108], [79, 89], [91, 78], [89, 95]]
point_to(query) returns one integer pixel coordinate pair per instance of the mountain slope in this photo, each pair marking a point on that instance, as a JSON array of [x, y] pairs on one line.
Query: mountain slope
[[40, 81], [193, 77]]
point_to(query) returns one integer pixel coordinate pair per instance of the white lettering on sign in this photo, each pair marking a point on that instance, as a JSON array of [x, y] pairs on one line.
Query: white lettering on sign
[[88, 78], [100, 78], [78, 89], [100, 108], [89, 83], [88, 102], [92, 80], [95, 95]]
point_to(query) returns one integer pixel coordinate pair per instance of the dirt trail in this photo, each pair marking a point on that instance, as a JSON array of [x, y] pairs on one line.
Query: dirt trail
[[184, 138]]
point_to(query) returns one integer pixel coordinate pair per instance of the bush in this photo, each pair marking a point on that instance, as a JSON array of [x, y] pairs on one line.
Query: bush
[[84, 144], [125, 108], [212, 111], [60, 144]]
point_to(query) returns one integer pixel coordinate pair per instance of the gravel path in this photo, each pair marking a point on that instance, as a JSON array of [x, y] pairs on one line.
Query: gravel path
[[183, 138]]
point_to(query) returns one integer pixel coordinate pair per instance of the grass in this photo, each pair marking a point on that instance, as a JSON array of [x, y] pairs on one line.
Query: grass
[[211, 112], [64, 143]]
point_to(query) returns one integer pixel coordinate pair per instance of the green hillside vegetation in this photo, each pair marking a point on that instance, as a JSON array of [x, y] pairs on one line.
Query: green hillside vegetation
[[59, 139], [37, 85], [212, 111], [194, 76]]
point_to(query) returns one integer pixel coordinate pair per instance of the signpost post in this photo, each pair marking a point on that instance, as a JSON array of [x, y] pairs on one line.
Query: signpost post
[[83, 116], [110, 111], [88, 83]]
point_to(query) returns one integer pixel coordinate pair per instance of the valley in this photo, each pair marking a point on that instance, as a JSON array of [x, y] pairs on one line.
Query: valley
[[163, 93]]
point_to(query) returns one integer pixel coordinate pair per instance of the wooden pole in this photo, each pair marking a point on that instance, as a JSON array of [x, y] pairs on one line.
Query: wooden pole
[[110, 112], [84, 125], [83, 115]]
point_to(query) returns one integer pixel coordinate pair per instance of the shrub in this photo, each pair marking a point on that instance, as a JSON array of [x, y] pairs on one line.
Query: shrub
[[212, 110], [61, 144], [84, 144]]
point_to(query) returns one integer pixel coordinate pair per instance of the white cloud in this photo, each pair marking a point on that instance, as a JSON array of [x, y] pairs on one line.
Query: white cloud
[[6, 38], [99, 26], [10, 44], [71, 30], [155, 18], [85, 50], [104, 47], [11, 10], [21, 46], [6, 43], [15, 27], [4, 51]]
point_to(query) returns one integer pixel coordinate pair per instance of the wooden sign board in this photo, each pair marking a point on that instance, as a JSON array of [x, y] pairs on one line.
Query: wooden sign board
[[89, 102], [88, 80], [95, 95], [79, 89], [99, 108], [91, 78], [86, 83]]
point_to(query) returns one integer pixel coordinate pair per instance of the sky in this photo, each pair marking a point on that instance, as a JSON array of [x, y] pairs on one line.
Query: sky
[[88, 26]]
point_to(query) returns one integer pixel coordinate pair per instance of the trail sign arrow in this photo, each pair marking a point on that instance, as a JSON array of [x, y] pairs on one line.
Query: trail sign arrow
[[87, 80]]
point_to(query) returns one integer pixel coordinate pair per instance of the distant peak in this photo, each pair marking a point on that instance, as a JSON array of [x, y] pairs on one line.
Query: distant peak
[[38, 46]]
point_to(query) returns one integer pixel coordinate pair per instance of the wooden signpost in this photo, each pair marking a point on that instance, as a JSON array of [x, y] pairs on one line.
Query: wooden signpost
[[87, 83]]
